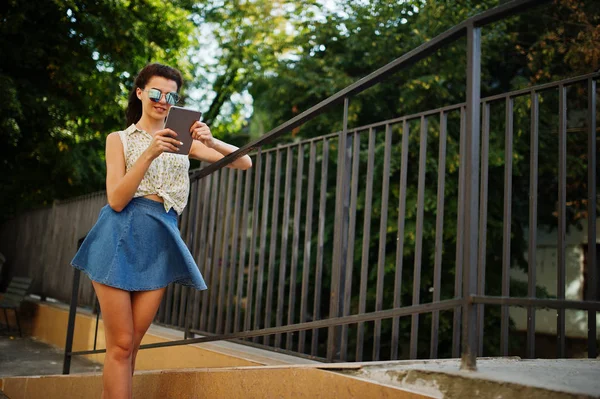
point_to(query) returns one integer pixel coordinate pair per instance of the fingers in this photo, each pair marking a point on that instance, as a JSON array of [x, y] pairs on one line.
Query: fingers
[[198, 125], [202, 133], [168, 143], [166, 133], [165, 142]]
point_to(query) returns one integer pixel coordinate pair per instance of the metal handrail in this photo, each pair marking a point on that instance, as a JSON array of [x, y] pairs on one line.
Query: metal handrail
[[413, 56]]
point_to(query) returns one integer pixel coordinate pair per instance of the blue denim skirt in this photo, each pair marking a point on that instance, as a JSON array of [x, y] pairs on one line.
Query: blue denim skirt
[[138, 249]]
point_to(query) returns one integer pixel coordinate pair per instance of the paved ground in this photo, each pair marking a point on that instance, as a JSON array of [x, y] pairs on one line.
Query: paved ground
[[540, 377], [439, 378], [26, 356]]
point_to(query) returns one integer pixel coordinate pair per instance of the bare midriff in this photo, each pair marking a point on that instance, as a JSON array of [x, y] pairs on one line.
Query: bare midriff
[[154, 197]]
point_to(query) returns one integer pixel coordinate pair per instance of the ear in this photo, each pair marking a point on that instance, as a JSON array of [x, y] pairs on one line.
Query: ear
[[138, 93]]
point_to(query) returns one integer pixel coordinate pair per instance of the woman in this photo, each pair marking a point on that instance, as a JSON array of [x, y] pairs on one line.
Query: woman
[[135, 249]]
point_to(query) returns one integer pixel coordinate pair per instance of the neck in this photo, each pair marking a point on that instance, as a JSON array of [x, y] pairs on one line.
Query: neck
[[150, 125]]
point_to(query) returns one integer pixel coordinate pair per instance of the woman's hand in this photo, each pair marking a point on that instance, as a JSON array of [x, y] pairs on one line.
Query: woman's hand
[[162, 141], [201, 132]]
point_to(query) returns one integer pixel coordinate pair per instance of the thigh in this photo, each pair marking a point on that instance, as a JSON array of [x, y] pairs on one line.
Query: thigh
[[115, 305], [144, 305]]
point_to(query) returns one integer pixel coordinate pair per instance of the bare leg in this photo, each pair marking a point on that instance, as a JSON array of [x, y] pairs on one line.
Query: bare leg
[[115, 305], [144, 305]]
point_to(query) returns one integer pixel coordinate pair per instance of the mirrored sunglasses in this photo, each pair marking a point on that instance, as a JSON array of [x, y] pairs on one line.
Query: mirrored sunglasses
[[155, 95]]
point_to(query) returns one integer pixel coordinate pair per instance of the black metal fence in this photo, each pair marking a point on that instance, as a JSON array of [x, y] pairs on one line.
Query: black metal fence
[[306, 253]]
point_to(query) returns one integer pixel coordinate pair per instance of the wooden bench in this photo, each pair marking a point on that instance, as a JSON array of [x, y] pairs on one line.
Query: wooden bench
[[13, 297]]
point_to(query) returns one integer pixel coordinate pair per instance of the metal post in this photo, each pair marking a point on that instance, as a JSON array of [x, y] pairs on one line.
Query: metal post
[[471, 209], [338, 269], [97, 310], [71, 325], [592, 200], [562, 219], [533, 205]]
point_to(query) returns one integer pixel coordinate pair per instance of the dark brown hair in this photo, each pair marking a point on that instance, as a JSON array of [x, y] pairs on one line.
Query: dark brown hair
[[134, 105]]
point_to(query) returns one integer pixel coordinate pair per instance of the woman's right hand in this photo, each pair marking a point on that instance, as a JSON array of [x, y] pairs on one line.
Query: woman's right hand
[[163, 140]]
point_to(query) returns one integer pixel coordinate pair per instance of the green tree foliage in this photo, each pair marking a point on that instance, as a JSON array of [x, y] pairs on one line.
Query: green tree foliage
[[245, 41], [65, 71]]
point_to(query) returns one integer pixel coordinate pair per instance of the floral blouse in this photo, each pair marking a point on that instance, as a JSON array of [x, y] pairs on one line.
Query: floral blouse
[[167, 176]]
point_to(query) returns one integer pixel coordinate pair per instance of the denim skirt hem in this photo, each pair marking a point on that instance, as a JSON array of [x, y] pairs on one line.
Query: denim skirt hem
[[183, 280], [138, 249]]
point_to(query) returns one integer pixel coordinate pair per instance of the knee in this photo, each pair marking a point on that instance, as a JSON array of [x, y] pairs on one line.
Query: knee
[[122, 347]]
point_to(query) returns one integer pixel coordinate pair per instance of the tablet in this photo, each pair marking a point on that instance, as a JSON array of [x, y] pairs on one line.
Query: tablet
[[180, 120]]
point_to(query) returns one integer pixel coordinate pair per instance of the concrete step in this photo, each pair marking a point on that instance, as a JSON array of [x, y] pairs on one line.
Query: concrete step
[[302, 381]]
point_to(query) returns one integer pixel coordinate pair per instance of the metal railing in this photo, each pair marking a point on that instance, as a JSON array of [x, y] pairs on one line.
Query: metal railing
[[252, 232]]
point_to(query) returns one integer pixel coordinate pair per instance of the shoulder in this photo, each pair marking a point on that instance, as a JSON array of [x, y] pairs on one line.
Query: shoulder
[[113, 140]]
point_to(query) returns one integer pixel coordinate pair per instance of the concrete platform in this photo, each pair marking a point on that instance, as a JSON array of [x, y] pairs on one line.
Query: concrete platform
[[259, 382], [29, 368], [494, 378], [26, 356]]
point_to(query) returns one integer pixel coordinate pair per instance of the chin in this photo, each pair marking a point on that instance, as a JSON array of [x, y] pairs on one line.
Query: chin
[[159, 114]]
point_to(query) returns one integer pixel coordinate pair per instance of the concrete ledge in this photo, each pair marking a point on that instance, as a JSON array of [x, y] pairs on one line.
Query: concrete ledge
[[241, 382], [494, 378], [47, 322]]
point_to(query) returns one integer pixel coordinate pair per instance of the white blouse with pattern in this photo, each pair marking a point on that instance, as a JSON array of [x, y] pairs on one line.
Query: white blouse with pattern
[[167, 176]]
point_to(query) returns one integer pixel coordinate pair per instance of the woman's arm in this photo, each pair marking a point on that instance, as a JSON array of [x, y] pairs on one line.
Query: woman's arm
[[206, 148], [121, 185]]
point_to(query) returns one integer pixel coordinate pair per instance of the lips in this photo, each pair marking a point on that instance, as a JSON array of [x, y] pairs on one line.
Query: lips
[[160, 109]]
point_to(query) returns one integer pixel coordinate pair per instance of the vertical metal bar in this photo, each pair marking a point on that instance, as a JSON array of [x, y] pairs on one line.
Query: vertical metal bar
[[400, 240], [71, 325], [533, 205], [225, 266], [190, 242], [508, 147], [364, 268], [485, 146], [284, 243], [414, 331], [351, 238], [592, 262], [208, 253], [439, 235], [97, 306], [255, 210], [295, 245], [272, 247], [203, 246], [184, 300], [199, 229], [186, 234], [263, 245], [234, 253], [460, 222], [338, 237], [382, 239], [469, 339], [242, 259], [320, 246], [307, 241], [217, 261], [562, 199], [176, 302]]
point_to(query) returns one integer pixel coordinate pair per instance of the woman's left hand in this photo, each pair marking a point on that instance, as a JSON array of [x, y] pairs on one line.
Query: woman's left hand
[[201, 132]]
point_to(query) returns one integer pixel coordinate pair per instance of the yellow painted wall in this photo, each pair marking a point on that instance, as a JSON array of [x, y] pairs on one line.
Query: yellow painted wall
[[283, 382], [48, 323]]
